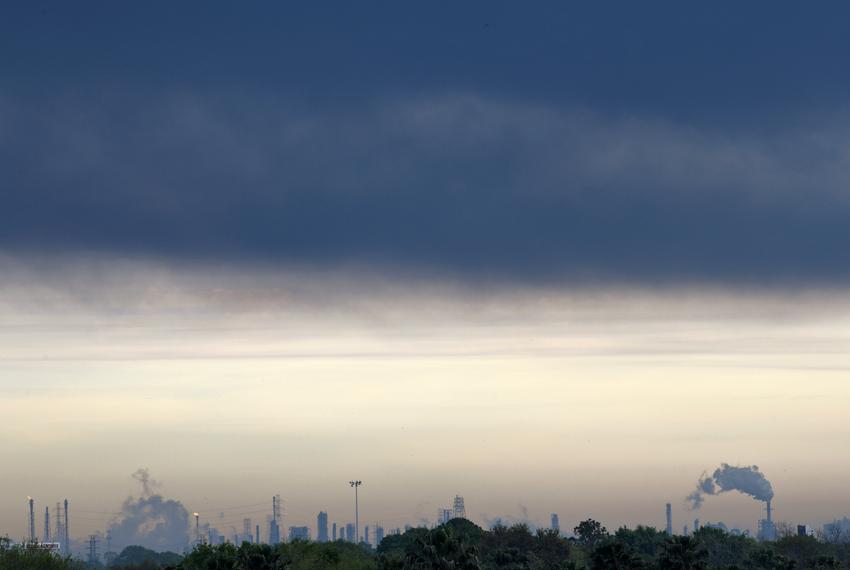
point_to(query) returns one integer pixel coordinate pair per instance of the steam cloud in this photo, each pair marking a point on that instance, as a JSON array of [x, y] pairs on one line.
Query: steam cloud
[[143, 476], [748, 480], [150, 520]]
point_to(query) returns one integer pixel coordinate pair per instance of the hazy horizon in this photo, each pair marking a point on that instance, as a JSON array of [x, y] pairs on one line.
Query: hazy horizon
[[595, 402]]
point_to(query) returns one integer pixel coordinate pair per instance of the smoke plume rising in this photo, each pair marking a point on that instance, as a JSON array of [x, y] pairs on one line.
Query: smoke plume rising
[[151, 520], [143, 476], [748, 480]]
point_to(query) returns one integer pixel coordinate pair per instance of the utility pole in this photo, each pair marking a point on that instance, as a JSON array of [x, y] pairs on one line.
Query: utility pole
[[356, 485]]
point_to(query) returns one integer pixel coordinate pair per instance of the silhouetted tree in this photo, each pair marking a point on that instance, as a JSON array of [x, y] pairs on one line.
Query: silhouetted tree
[[551, 548], [644, 541], [614, 555], [141, 558], [683, 553], [590, 533], [824, 563], [724, 549], [765, 558], [440, 551]]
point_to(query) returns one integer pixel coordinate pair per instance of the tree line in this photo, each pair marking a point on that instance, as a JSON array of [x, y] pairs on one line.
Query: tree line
[[462, 545]]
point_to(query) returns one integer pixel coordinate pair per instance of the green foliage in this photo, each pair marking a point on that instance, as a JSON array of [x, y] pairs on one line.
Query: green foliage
[[590, 533], [33, 557], [296, 555], [439, 550], [645, 541], [765, 558], [824, 563], [551, 549], [140, 558], [462, 545], [802, 550], [614, 555], [683, 553], [400, 543], [724, 549]]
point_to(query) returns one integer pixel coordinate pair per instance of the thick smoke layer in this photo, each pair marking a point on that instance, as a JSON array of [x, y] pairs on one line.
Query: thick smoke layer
[[143, 476], [748, 480], [150, 520]]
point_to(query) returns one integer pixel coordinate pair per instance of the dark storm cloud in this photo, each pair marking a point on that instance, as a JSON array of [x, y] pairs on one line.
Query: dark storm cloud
[[720, 60], [462, 184], [548, 144]]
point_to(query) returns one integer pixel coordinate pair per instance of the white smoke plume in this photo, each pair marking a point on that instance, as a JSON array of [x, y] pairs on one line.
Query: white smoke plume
[[748, 480], [151, 520]]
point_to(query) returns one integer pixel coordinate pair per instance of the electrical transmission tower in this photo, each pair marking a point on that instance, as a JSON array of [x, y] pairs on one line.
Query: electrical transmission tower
[[459, 508], [274, 524], [92, 551], [276, 508]]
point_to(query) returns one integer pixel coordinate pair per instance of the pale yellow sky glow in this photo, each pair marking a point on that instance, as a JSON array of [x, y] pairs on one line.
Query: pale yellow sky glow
[[234, 386]]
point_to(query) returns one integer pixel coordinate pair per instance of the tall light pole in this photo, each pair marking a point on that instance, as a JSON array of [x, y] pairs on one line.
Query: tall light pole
[[356, 484]]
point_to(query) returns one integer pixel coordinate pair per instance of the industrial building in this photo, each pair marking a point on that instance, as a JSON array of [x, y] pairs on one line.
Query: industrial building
[[299, 533]]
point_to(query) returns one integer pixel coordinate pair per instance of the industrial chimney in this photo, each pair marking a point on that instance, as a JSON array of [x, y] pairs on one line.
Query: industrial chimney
[[67, 534], [32, 518], [669, 520]]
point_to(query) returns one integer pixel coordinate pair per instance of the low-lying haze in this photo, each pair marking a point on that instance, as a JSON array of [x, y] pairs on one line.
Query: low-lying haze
[[232, 387]]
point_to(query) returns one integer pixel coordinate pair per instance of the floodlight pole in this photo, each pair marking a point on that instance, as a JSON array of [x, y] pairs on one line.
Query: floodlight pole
[[356, 484]]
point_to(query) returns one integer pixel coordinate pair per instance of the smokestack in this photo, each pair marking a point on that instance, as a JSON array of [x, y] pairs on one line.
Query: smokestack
[[67, 535], [46, 524], [257, 536], [32, 518], [669, 519], [58, 533], [769, 513], [696, 525]]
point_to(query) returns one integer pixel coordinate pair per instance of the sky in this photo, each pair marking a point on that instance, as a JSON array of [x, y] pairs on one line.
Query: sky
[[553, 258]]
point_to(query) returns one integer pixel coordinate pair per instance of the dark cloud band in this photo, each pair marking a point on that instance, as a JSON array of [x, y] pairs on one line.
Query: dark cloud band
[[467, 185]]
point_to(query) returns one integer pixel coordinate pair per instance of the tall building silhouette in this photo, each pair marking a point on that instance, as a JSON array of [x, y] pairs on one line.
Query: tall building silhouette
[[322, 527]]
